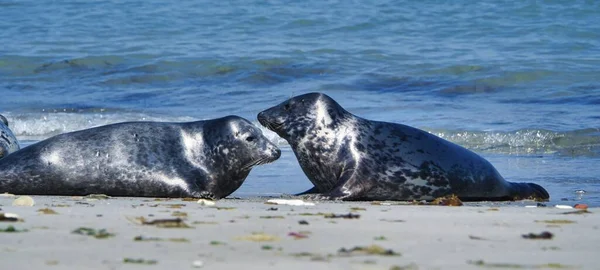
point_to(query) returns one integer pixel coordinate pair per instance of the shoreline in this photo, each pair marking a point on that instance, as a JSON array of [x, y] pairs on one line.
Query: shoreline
[[249, 234]]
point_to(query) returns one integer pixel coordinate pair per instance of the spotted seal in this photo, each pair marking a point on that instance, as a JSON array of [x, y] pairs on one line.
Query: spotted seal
[[8, 141], [350, 158], [203, 159]]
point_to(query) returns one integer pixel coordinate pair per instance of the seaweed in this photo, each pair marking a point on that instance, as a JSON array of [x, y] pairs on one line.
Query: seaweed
[[98, 234], [140, 261]]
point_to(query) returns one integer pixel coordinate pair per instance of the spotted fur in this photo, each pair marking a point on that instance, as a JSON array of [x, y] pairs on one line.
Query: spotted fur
[[8, 141], [149, 159], [350, 158]]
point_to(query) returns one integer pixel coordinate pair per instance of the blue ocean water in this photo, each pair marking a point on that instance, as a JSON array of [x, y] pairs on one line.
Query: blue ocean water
[[516, 81]]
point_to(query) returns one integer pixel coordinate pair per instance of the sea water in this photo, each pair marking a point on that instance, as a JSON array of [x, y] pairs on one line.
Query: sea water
[[516, 81]]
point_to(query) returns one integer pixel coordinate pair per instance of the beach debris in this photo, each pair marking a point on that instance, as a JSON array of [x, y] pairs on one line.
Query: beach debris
[[379, 238], [295, 202], [206, 202], [368, 250], [140, 261], [473, 237], [344, 216], [98, 234], [9, 217], [23, 201], [174, 205], [392, 220], [197, 264], [162, 223], [60, 205], [141, 238], [298, 235], [556, 221], [543, 235], [205, 222], [258, 237], [272, 217], [313, 256], [562, 206], [411, 266], [519, 266], [11, 229], [450, 200], [381, 203], [272, 209], [98, 196], [179, 214], [217, 243], [189, 199], [355, 209], [493, 209], [303, 222], [266, 247], [47, 211], [312, 214], [225, 208], [581, 206]]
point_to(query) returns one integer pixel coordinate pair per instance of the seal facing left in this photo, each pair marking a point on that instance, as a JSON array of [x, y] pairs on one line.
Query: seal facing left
[[8, 141], [347, 157], [202, 159]]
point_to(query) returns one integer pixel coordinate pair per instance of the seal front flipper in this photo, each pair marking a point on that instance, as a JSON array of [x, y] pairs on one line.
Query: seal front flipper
[[313, 190], [351, 186]]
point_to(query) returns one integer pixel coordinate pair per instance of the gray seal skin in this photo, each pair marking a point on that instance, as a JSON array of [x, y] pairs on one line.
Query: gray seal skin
[[350, 158], [203, 159], [8, 141]]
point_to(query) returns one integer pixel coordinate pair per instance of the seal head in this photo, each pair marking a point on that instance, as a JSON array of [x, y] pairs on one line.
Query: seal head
[[8, 141]]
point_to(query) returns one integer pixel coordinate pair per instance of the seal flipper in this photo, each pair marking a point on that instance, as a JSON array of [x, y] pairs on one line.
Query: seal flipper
[[312, 190], [520, 191]]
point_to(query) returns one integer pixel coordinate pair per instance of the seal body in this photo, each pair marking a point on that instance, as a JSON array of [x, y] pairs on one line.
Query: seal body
[[206, 159], [8, 141], [350, 158]]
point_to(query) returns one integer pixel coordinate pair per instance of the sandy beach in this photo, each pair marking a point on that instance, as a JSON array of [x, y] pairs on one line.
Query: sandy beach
[[145, 233]]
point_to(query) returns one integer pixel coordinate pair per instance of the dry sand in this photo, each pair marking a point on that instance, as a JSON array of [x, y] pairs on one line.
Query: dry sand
[[249, 234]]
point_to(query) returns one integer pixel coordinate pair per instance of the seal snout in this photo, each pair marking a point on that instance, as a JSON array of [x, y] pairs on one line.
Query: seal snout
[[274, 151], [267, 121]]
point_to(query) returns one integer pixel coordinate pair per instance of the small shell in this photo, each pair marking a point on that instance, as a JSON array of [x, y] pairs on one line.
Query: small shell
[[206, 202], [197, 264]]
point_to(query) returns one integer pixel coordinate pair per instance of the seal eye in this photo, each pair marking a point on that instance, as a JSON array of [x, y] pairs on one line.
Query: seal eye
[[287, 106], [250, 139]]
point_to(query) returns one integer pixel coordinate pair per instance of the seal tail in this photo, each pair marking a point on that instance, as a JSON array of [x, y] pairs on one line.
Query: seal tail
[[521, 191]]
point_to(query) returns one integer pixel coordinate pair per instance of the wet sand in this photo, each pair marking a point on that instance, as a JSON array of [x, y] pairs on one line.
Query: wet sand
[[249, 234]]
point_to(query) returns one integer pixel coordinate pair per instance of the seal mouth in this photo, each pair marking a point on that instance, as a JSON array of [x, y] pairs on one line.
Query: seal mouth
[[260, 161], [274, 126]]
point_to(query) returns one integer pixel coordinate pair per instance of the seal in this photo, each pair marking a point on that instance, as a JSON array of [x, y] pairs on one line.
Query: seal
[[350, 158], [8, 141], [202, 159]]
